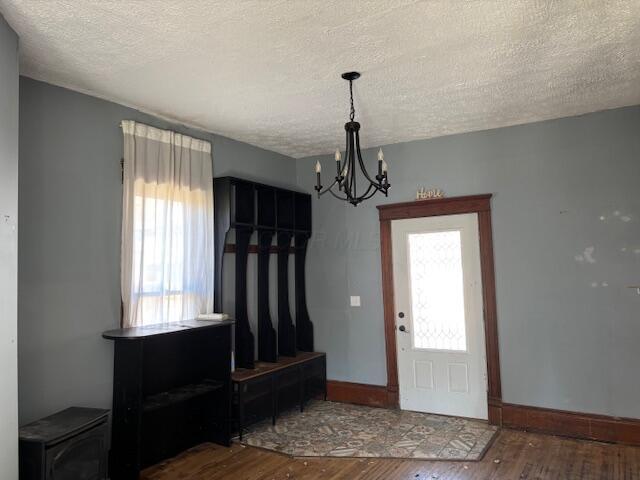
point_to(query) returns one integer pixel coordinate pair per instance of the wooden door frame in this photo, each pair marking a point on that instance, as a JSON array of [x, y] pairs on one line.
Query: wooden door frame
[[480, 204]]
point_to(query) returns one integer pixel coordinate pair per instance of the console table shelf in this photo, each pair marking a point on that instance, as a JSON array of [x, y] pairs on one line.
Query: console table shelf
[[179, 395]]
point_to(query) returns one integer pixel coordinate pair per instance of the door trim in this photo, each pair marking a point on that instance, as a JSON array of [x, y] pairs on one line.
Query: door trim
[[480, 204]]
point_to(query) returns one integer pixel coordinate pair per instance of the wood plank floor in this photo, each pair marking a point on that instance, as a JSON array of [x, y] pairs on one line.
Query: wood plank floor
[[513, 455]]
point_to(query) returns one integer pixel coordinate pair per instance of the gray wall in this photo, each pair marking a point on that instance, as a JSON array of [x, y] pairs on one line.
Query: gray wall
[[569, 329], [8, 251], [70, 213], [564, 343]]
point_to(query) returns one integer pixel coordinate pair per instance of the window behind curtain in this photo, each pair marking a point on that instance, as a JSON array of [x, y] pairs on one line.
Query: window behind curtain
[[167, 257]]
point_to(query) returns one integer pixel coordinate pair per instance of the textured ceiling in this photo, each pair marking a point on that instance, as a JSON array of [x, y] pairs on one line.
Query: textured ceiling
[[267, 72]]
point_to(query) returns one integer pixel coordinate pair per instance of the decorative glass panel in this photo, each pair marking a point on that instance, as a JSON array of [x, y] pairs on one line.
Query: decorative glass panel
[[437, 291]]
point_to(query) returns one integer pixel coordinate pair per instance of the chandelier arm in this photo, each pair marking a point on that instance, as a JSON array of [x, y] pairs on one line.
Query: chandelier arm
[[376, 190], [347, 184], [366, 194], [353, 189], [377, 187], [360, 161], [338, 197], [345, 163], [322, 192]]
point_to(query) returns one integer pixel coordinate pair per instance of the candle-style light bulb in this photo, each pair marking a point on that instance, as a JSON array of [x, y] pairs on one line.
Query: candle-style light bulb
[[384, 166], [380, 155], [318, 186], [337, 156]]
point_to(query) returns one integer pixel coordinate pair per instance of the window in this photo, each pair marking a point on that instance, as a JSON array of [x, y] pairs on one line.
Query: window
[[167, 233], [160, 291]]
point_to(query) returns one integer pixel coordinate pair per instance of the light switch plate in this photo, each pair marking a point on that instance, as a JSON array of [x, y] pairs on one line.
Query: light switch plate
[[355, 300]]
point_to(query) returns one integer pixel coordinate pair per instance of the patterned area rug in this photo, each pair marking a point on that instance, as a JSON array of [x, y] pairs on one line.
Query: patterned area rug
[[328, 429]]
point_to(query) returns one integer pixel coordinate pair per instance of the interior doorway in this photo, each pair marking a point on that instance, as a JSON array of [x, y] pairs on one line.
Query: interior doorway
[[438, 304]]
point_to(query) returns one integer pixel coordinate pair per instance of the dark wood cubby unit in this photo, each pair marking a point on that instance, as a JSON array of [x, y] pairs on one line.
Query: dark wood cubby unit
[[276, 214], [171, 391]]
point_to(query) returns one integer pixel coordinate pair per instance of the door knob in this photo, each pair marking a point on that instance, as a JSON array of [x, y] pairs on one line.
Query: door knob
[[402, 328], [401, 315]]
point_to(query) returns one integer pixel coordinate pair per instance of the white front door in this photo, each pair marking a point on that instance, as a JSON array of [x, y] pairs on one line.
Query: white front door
[[438, 307]]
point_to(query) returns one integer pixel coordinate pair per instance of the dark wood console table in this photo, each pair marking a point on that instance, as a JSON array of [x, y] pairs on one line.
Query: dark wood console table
[[171, 391], [269, 388]]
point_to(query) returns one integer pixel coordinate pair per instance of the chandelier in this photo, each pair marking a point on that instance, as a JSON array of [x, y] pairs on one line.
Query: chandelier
[[345, 180]]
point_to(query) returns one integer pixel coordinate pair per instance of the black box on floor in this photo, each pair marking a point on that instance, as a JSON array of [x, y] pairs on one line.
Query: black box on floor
[[69, 445]]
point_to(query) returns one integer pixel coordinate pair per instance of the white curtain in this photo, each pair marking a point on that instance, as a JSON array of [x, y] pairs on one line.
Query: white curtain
[[167, 226]]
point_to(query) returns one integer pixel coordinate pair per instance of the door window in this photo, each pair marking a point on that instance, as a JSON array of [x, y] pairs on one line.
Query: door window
[[437, 291]]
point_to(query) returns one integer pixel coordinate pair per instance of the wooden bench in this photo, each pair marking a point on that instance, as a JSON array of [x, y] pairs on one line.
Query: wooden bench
[[270, 388]]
